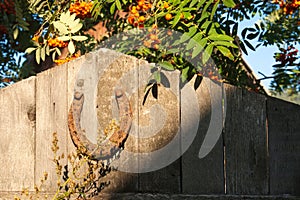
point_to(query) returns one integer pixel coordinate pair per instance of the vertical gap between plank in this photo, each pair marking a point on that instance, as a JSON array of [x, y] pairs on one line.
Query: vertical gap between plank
[[180, 138], [224, 103], [268, 146]]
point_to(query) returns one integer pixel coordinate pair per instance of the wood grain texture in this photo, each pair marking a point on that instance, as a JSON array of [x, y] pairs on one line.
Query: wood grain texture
[[17, 130], [119, 72], [284, 146], [203, 175], [52, 110], [245, 142], [159, 125]]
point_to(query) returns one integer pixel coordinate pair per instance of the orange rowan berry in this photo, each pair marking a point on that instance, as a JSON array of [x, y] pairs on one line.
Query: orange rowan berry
[[141, 3], [181, 16], [141, 26], [154, 26], [156, 46], [141, 19], [147, 43], [133, 11], [145, 7], [166, 5], [168, 16], [153, 37], [131, 19], [169, 32]]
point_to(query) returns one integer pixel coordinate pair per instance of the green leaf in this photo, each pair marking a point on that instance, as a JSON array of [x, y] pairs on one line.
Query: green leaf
[[213, 11], [64, 38], [112, 8], [243, 48], [79, 37], [35, 3], [43, 53], [206, 24], [176, 19], [184, 74], [220, 37], [118, 4], [182, 4], [47, 50], [208, 3], [71, 47], [38, 55], [166, 65], [229, 3], [30, 50], [64, 17], [57, 51], [225, 43], [62, 29], [200, 4], [53, 55], [244, 31], [226, 52], [74, 23], [251, 36], [16, 33], [249, 45], [156, 76], [171, 51], [41, 6], [186, 36], [199, 47], [193, 3], [76, 28], [207, 53]]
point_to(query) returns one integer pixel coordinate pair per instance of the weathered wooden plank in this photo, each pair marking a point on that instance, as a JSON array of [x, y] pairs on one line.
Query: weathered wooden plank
[[51, 110], [284, 146], [97, 76], [119, 72], [245, 142], [203, 173], [17, 130], [159, 134]]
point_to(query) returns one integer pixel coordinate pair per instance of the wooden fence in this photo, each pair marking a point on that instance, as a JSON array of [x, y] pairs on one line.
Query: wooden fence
[[256, 156]]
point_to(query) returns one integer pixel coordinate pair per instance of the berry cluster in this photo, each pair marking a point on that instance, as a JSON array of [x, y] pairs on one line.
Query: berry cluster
[[3, 29], [152, 40], [8, 7], [54, 42], [81, 9], [67, 59], [288, 7], [168, 16], [138, 13], [287, 56]]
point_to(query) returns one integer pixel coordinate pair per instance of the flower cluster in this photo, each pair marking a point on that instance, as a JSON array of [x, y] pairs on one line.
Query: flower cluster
[[138, 13], [81, 9]]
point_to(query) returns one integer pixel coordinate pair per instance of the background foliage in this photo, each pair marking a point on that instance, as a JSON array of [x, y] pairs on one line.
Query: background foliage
[[53, 32]]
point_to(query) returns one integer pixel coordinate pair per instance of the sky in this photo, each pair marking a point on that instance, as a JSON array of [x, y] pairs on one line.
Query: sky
[[262, 59]]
